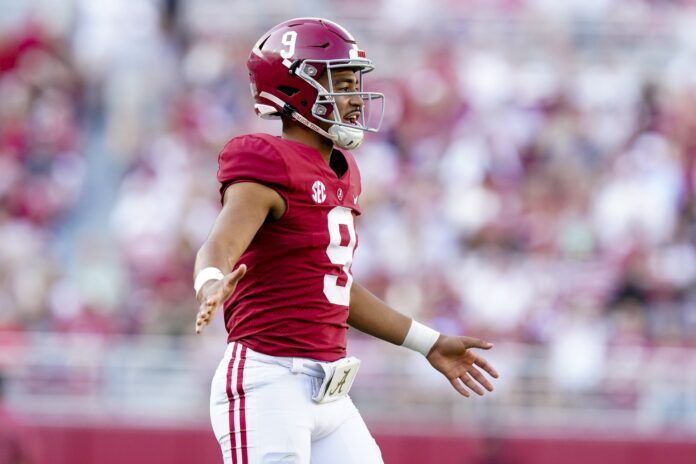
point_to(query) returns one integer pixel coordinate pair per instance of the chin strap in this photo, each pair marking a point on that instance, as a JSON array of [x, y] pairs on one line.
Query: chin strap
[[345, 137]]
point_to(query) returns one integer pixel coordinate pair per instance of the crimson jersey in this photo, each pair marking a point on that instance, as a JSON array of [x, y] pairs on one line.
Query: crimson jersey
[[293, 300]]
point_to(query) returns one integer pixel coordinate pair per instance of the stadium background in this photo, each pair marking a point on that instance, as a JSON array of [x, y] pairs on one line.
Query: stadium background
[[533, 185]]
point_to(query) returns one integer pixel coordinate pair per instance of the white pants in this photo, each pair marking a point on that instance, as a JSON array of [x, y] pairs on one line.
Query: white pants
[[262, 413]]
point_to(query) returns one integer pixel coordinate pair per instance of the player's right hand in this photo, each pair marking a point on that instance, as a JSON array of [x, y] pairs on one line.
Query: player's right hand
[[214, 294]]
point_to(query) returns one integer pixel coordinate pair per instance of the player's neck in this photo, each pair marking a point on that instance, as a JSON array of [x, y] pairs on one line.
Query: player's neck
[[310, 138]]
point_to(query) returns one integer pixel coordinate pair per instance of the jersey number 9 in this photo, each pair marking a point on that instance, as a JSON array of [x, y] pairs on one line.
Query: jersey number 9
[[340, 254]]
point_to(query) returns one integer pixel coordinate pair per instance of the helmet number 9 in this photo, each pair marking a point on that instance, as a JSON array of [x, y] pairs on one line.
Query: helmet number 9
[[289, 39], [340, 254]]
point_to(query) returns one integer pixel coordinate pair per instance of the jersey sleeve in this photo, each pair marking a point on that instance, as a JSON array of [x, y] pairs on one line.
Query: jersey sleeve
[[252, 159]]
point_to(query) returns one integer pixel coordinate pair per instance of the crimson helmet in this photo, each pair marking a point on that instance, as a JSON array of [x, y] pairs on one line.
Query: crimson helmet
[[285, 64]]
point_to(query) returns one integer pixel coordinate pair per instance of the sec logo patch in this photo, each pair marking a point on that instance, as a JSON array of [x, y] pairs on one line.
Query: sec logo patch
[[318, 192]]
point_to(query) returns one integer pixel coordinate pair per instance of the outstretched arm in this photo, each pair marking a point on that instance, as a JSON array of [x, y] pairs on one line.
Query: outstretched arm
[[450, 355], [245, 207]]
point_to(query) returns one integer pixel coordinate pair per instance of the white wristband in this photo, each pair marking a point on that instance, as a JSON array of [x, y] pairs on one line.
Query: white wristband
[[209, 273], [420, 338]]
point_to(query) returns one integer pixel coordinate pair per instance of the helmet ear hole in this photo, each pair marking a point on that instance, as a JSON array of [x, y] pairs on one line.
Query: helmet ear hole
[[287, 90]]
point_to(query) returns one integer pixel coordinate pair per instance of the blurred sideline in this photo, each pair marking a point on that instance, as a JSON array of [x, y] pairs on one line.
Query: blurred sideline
[[165, 381]]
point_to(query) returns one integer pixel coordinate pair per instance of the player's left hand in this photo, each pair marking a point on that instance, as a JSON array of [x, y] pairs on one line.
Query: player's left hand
[[454, 358]]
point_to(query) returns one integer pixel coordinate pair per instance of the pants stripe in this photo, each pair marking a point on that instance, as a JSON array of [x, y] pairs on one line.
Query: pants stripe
[[242, 408], [230, 397]]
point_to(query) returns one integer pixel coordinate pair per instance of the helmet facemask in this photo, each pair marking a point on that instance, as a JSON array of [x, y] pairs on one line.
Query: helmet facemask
[[345, 135]]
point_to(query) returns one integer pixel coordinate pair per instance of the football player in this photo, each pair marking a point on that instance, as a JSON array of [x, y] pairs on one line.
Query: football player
[[278, 262]]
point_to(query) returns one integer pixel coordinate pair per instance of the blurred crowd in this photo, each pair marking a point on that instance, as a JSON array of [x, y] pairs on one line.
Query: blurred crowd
[[534, 179], [41, 168]]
